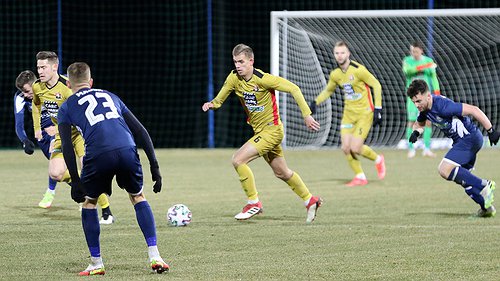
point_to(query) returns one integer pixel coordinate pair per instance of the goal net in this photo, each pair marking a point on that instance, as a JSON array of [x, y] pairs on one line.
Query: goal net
[[465, 44]]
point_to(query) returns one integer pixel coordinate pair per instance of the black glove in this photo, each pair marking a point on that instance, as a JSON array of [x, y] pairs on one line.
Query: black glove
[[29, 146], [414, 136], [377, 117], [493, 136], [77, 192], [156, 176], [312, 106]]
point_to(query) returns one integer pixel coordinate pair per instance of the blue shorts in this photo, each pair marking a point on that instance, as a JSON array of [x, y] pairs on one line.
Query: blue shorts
[[98, 172], [44, 144], [464, 151]]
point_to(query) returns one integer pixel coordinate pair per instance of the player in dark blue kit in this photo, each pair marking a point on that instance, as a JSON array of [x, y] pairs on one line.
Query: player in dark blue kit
[[108, 128], [452, 118], [23, 104]]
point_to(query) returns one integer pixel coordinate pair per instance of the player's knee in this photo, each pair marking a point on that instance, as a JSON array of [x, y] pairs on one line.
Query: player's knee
[[356, 149], [444, 172], [56, 176], [346, 149], [137, 198], [283, 174], [236, 161], [90, 204]]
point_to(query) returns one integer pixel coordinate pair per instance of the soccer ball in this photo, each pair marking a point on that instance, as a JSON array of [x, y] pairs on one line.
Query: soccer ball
[[179, 215]]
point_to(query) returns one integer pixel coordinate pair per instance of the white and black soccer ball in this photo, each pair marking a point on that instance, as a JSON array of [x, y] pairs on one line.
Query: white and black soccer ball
[[179, 215]]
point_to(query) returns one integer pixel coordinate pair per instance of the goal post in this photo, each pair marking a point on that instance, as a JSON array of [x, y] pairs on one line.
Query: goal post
[[463, 42]]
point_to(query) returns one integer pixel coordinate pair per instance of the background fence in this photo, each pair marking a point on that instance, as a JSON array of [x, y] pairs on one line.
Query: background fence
[[154, 54]]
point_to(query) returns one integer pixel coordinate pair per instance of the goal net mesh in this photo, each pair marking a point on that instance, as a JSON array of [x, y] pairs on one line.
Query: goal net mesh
[[465, 48]]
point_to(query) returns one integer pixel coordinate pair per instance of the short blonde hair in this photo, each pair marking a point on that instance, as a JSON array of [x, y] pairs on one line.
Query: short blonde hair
[[342, 43], [242, 48], [78, 72]]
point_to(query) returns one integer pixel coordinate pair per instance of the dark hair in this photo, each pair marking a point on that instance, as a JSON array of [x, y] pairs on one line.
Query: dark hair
[[48, 55], [417, 86], [25, 77], [418, 44]]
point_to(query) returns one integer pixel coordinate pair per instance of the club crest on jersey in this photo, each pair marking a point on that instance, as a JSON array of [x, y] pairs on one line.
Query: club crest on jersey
[[351, 77], [255, 88], [58, 96]]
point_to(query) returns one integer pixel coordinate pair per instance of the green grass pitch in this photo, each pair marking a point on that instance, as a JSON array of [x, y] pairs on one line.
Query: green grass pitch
[[411, 226]]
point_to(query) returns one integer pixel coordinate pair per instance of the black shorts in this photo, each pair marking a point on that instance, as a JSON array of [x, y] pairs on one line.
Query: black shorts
[[98, 172]]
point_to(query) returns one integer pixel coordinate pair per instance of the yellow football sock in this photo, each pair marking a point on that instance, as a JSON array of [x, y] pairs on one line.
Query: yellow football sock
[[247, 181], [103, 201], [299, 187], [368, 153], [355, 164]]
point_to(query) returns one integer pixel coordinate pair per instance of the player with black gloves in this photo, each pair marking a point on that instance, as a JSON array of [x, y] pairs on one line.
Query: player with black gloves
[[452, 118]]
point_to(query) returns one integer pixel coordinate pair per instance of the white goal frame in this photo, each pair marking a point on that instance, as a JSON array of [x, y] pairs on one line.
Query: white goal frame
[[282, 16]]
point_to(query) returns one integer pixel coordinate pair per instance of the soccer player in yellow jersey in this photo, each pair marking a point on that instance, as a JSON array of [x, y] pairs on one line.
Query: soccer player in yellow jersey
[[50, 92], [360, 111], [256, 91]]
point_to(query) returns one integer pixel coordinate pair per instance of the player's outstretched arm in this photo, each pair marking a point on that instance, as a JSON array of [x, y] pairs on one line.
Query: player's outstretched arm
[[142, 137]]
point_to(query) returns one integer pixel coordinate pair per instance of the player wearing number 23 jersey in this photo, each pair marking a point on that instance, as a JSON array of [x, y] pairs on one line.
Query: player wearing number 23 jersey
[[89, 107], [108, 128]]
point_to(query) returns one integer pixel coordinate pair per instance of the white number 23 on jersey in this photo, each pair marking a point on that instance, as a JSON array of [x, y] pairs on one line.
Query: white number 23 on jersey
[[93, 102]]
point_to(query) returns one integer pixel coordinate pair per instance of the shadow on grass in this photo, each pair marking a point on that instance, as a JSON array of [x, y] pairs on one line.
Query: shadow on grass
[[443, 214], [54, 213]]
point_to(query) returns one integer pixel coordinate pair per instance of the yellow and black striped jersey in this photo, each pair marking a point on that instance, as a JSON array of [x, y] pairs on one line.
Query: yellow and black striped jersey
[[49, 98], [355, 85], [258, 97]]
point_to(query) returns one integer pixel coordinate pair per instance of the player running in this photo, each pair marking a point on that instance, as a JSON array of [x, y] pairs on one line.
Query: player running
[[22, 104], [49, 92], [360, 112], [256, 91], [453, 120]]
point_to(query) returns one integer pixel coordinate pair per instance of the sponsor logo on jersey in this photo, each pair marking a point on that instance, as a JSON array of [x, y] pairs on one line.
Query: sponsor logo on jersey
[[251, 102], [349, 93], [52, 108]]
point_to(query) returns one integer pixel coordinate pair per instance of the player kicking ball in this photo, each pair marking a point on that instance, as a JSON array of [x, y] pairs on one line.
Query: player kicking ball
[[454, 121]]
